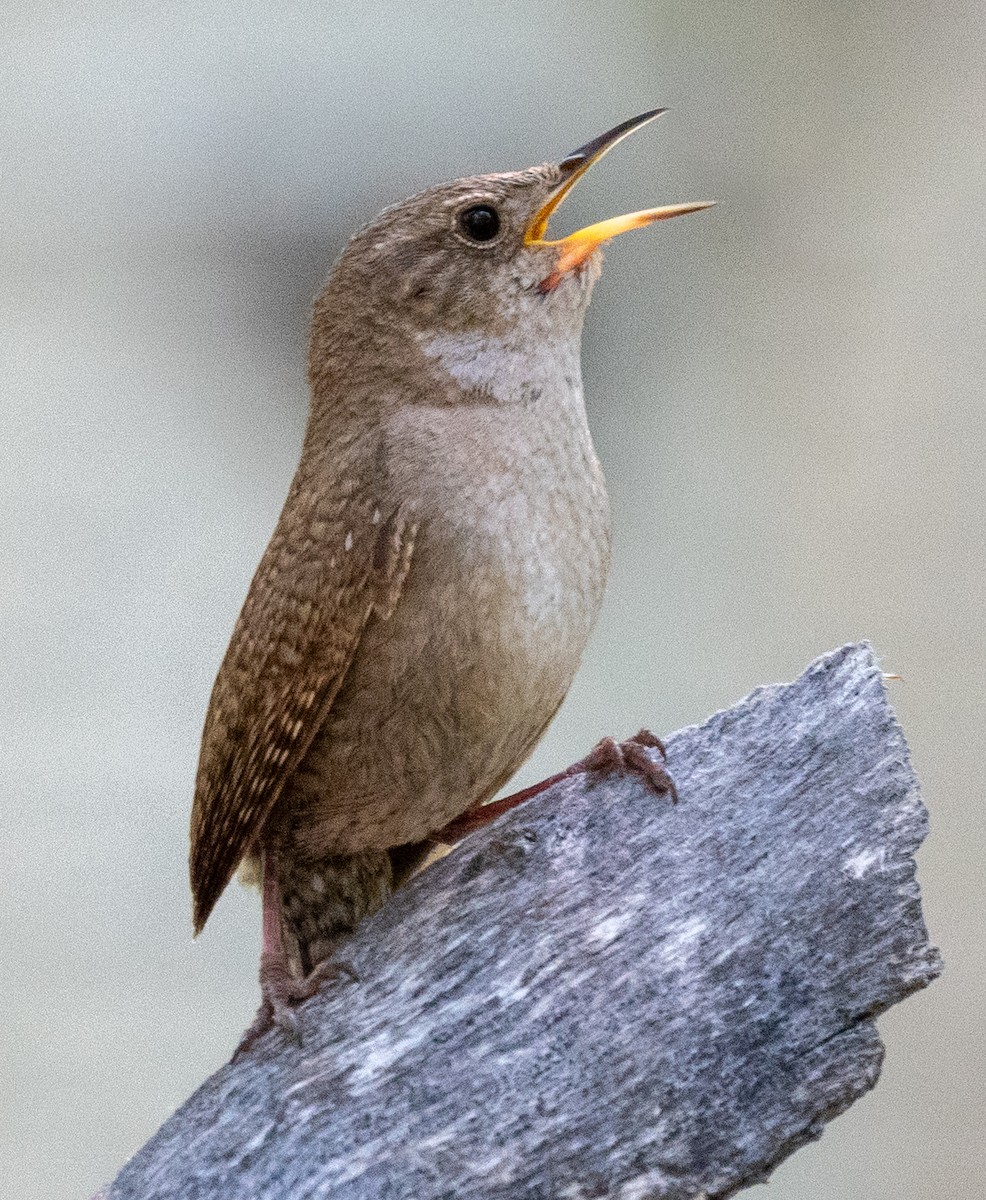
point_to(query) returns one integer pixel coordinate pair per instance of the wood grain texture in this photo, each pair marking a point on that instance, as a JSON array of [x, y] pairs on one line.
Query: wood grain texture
[[602, 994]]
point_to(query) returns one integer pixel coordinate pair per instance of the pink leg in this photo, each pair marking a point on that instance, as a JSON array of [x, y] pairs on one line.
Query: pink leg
[[606, 755], [475, 818], [275, 974], [280, 989]]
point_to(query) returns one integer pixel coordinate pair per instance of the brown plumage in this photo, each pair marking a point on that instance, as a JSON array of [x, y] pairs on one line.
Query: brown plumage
[[288, 656], [440, 560]]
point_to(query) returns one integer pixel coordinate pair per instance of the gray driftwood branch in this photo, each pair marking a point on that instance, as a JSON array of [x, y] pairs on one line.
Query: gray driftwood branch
[[602, 994]]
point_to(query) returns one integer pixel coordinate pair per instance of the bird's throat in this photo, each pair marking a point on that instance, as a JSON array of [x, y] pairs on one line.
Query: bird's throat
[[510, 370]]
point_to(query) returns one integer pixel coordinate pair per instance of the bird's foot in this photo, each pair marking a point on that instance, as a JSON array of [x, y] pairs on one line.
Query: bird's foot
[[607, 755], [282, 992], [632, 755]]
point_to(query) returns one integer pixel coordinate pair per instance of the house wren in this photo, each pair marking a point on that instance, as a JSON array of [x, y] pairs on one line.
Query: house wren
[[427, 594]]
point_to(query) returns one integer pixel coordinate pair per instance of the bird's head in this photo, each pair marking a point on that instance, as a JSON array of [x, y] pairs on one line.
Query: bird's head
[[475, 254]]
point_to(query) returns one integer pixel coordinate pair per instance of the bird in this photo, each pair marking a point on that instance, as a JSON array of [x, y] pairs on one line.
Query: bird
[[424, 602]]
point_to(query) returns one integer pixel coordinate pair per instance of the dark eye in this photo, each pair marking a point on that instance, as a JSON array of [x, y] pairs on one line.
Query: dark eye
[[481, 223]]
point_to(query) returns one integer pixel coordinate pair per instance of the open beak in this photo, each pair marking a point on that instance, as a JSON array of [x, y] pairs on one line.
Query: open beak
[[576, 248]]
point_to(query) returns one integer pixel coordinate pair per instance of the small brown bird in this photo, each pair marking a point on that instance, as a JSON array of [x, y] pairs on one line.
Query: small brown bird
[[431, 584]]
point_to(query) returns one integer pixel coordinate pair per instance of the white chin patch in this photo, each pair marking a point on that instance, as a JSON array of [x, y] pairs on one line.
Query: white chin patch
[[479, 362]]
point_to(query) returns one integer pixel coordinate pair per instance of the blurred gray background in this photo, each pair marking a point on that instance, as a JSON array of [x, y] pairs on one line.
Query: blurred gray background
[[786, 394]]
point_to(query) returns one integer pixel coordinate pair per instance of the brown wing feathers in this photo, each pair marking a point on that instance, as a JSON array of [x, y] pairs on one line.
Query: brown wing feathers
[[287, 659]]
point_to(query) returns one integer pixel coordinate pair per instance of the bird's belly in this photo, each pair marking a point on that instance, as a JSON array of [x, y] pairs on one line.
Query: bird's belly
[[445, 700]]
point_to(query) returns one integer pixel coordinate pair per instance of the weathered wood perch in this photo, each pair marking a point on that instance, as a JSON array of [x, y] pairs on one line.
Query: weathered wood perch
[[603, 995]]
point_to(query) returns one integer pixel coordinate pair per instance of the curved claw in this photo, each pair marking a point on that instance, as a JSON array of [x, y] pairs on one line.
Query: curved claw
[[644, 737], [267, 1017], [631, 755], [282, 993]]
